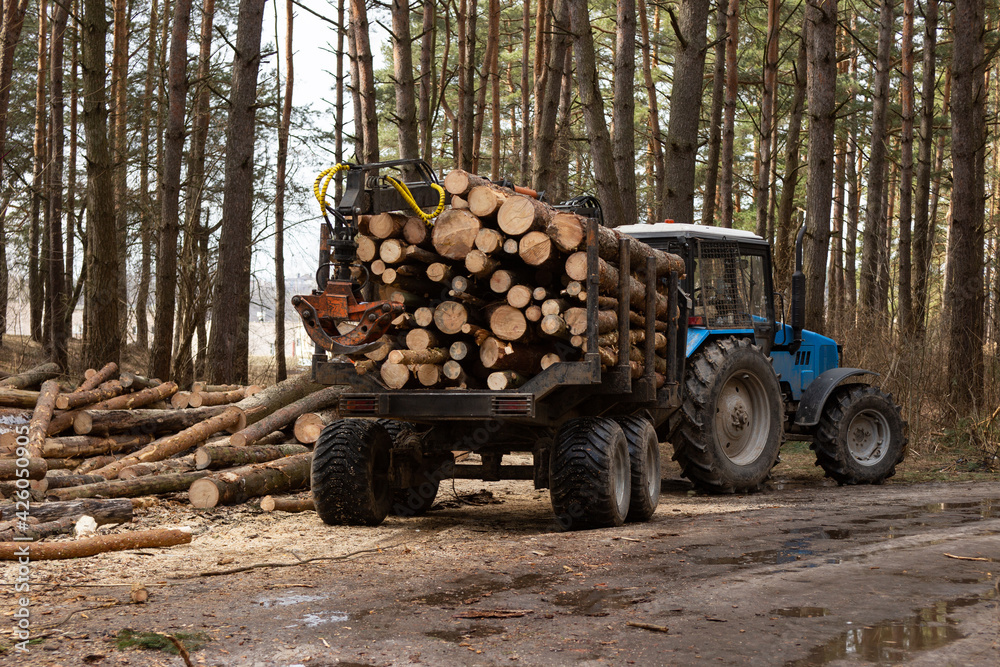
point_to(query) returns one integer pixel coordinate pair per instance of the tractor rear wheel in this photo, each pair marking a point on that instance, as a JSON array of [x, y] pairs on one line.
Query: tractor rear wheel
[[860, 438], [350, 473], [590, 479], [730, 425], [644, 462], [411, 500]]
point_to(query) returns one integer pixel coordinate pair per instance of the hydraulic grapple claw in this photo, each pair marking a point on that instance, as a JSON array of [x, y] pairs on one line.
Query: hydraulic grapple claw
[[321, 313]]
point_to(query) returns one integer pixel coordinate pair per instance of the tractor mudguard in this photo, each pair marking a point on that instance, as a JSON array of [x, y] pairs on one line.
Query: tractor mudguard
[[814, 396]]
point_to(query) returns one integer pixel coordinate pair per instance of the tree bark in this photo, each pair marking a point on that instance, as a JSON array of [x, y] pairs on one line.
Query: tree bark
[[921, 219], [655, 205], [214, 457], [907, 323], [119, 93], [821, 49], [623, 107], [32, 377], [766, 117], [685, 111], [786, 231], [239, 485], [365, 83], [547, 93], [147, 218], [36, 283], [402, 68], [229, 339], [320, 400], [91, 546], [726, 193], [141, 422], [102, 511], [284, 126]]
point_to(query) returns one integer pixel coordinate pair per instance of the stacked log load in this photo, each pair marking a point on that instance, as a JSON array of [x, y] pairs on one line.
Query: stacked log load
[[495, 291], [71, 451]]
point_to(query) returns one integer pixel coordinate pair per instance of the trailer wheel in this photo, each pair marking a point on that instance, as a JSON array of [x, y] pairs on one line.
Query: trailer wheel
[[411, 500], [644, 462], [860, 438], [590, 482], [350, 473], [730, 426]]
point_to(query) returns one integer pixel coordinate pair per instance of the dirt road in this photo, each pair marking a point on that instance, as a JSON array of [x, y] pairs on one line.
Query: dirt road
[[796, 576]]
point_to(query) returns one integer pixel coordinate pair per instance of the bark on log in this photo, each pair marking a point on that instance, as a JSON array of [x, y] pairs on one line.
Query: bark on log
[[137, 382], [434, 355], [83, 446], [239, 485], [180, 400], [200, 399], [508, 323], [183, 464], [18, 398], [460, 182], [40, 418], [277, 396], [142, 422], [395, 251], [103, 511], [382, 351], [98, 544], [320, 400], [95, 379], [454, 233], [520, 214], [214, 457], [38, 531], [501, 380], [535, 248], [89, 465], [81, 398], [164, 448], [576, 320], [478, 334], [485, 200], [204, 387], [386, 225], [607, 245], [287, 503], [497, 355], [310, 425], [32, 377], [449, 316], [37, 467], [131, 488], [576, 268], [66, 481], [139, 399]]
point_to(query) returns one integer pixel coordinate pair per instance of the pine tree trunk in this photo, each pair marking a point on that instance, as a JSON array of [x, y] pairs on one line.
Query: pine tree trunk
[[229, 339], [921, 220], [907, 323], [964, 286], [658, 170], [36, 285], [119, 91], [547, 102], [726, 192], [623, 107], [427, 43], [103, 342], [147, 220], [57, 295], [766, 114], [402, 67], [786, 230], [708, 211], [525, 92], [364, 84], [284, 125], [166, 260]]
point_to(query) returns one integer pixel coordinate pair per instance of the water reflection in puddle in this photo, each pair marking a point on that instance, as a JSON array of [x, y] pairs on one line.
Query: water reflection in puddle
[[801, 612]]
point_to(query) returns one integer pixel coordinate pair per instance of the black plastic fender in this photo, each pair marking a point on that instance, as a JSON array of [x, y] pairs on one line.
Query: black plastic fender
[[815, 395]]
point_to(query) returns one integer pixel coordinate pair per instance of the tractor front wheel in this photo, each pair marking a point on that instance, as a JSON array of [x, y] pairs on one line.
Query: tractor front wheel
[[860, 438]]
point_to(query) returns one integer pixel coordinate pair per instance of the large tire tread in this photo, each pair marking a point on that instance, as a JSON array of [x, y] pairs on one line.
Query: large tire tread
[[641, 438], [415, 500], [580, 489], [343, 487]]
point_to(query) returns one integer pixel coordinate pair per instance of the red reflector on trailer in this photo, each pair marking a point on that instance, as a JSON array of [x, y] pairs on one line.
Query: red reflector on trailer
[[696, 321]]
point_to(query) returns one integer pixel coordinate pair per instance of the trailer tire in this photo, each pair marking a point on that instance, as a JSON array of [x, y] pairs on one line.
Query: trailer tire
[[730, 426], [644, 462], [861, 436], [412, 500], [590, 481], [350, 473]]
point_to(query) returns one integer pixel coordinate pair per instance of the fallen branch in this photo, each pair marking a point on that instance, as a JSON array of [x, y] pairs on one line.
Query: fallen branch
[[984, 560], [647, 626], [95, 545], [256, 566]]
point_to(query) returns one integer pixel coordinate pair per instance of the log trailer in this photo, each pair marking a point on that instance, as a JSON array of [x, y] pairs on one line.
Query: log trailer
[[737, 381]]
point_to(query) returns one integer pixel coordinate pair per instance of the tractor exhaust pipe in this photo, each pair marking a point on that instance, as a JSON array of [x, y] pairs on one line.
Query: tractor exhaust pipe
[[798, 295]]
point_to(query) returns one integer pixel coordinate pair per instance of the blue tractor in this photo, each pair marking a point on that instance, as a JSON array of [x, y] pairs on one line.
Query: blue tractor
[[710, 366], [753, 380]]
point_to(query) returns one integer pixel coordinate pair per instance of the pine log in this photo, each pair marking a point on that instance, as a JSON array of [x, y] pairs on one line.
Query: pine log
[[413, 285], [150, 485], [535, 248], [540, 294], [91, 464], [32, 377], [164, 448], [394, 251], [434, 355], [395, 376], [365, 367], [489, 241], [428, 375], [277, 396], [479, 264], [81, 398], [460, 182], [554, 306], [94, 379], [576, 268], [421, 339], [18, 398], [636, 337], [510, 246], [137, 382], [549, 359], [501, 380], [138, 422], [576, 320], [439, 272], [449, 316], [239, 485], [567, 231], [183, 464], [302, 503], [66, 481], [459, 283], [64, 463], [520, 214], [367, 248], [519, 296], [533, 313], [85, 446], [36, 489], [501, 356], [459, 350], [408, 299], [310, 425], [508, 323], [91, 546], [608, 356], [486, 200], [636, 355], [199, 399], [214, 457], [478, 334], [569, 240], [180, 400], [386, 225], [452, 370], [36, 531], [102, 511], [138, 399], [416, 231], [321, 400], [454, 233], [40, 418], [555, 326], [204, 387], [382, 351], [458, 203], [574, 288], [36, 467], [468, 299], [377, 267]]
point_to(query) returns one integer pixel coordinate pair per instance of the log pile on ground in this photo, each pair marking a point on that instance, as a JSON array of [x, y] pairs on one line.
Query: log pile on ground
[[95, 448], [496, 290]]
